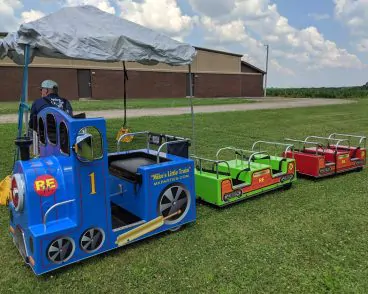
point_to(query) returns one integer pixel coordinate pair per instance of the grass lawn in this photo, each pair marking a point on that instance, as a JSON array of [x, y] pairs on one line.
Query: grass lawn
[[310, 239], [12, 107]]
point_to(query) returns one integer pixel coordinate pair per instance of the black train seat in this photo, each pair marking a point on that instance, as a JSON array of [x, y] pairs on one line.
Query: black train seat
[[125, 166]]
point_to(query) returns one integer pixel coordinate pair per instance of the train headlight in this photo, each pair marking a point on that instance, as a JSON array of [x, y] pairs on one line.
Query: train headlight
[[17, 192]]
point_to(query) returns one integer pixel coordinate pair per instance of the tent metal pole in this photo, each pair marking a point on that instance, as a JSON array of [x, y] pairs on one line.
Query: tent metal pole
[[26, 114], [191, 105], [24, 98]]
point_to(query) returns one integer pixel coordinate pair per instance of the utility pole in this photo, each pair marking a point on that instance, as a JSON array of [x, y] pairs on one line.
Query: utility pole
[[265, 90]]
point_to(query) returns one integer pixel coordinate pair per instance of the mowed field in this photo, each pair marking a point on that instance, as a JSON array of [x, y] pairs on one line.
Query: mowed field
[[312, 238]]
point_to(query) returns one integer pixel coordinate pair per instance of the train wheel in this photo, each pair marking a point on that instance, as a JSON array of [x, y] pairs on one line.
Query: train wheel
[[174, 198], [61, 250], [92, 240]]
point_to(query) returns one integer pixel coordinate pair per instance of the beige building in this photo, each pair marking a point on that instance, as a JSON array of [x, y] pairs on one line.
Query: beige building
[[215, 74]]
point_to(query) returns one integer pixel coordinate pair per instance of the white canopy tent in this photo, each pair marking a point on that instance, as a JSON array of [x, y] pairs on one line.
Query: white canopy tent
[[87, 33]]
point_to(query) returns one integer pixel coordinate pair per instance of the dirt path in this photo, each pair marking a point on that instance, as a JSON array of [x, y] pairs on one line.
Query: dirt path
[[261, 103]]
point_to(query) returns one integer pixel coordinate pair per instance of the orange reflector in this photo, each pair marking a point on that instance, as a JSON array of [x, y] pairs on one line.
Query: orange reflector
[[321, 162], [226, 187], [31, 260], [11, 229]]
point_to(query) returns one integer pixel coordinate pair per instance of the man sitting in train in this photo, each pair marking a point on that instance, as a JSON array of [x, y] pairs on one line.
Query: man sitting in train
[[49, 98]]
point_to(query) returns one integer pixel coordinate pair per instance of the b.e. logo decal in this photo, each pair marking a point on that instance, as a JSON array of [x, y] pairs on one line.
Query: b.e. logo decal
[[45, 185]]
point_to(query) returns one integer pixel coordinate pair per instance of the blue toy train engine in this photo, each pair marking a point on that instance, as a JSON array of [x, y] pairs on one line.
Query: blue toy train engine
[[74, 200]]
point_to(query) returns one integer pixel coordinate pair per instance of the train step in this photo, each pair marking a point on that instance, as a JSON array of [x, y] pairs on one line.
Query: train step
[[53, 226]]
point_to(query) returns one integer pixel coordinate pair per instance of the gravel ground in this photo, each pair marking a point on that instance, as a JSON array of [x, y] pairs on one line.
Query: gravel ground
[[261, 103]]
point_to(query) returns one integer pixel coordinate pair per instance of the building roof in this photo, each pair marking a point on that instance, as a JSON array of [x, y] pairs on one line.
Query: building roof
[[218, 51], [253, 67]]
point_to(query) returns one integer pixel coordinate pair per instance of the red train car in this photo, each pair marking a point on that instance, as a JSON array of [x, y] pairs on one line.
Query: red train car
[[325, 156]]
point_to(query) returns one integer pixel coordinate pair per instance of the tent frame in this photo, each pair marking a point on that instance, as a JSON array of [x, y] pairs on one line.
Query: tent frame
[[24, 108]]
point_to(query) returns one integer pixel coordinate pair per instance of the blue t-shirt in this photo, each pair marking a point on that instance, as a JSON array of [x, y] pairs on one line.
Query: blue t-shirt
[[52, 100]]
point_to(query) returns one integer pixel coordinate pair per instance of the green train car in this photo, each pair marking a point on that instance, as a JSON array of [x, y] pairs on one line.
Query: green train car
[[249, 173]]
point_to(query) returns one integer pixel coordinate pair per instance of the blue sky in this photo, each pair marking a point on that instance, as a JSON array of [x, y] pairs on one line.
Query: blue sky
[[312, 43]]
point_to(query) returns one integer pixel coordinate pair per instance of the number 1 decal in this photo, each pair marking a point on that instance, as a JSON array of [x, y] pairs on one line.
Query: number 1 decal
[[93, 183]]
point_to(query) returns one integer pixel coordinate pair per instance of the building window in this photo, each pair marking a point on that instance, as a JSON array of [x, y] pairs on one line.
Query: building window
[[64, 139], [51, 128], [41, 131]]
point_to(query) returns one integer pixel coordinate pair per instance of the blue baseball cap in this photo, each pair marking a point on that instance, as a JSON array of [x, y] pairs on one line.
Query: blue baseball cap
[[49, 84]]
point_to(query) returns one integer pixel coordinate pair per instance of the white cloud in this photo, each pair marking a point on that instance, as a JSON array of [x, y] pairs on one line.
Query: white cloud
[[213, 8], [231, 32], [32, 15], [260, 18], [319, 16], [104, 5], [251, 9], [8, 21], [354, 14], [163, 15], [302, 57], [281, 69], [271, 38], [8, 6]]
